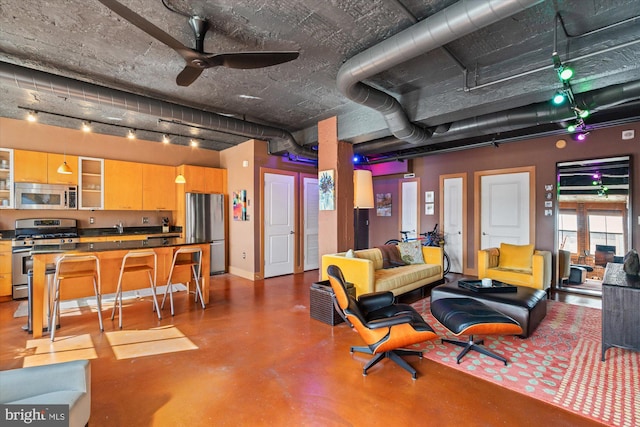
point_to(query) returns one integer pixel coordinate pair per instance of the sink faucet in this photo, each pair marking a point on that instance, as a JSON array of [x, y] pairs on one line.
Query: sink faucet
[[120, 226]]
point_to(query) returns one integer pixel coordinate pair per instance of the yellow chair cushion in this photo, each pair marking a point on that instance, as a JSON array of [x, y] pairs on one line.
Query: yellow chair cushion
[[517, 257]]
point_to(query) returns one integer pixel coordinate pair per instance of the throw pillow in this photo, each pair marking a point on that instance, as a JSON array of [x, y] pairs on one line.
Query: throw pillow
[[411, 252], [350, 254], [518, 257]]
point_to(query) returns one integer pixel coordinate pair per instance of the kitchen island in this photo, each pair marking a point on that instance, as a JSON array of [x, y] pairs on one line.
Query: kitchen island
[[110, 255]]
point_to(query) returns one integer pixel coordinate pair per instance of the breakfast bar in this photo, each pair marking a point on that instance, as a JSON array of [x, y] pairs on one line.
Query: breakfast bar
[[110, 255]]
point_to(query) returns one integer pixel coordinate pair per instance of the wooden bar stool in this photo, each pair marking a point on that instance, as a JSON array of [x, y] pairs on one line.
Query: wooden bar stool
[[72, 266], [133, 262], [195, 263]]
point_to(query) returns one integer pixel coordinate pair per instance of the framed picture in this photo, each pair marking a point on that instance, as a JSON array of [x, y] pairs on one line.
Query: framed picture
[[240, 205], [428, 209], [326, 190], [383, 204], [429, 197]]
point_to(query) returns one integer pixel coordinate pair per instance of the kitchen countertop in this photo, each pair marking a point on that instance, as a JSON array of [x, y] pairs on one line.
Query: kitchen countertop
[[114, 246]]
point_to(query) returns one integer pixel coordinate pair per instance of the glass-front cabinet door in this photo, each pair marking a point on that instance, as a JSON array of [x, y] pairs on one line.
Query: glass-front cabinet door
[[6, 178], [90, 183]]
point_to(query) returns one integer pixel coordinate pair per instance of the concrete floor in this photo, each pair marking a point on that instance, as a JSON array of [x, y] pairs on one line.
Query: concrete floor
[[255, 357]]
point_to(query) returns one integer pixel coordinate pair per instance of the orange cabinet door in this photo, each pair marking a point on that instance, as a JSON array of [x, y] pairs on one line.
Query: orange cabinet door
[[122, 185]]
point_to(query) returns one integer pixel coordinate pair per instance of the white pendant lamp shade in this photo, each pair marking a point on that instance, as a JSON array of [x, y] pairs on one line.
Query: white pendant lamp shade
[[362, 189]]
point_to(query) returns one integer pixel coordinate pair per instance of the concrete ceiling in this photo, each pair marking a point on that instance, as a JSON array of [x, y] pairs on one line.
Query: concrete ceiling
[[464, 92]]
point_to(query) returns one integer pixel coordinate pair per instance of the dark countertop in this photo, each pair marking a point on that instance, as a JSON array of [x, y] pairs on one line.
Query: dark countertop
[[115, 246], [128, 231]]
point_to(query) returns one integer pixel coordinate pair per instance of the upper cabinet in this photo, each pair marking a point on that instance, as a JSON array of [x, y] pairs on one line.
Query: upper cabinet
[[30, 166], [38, 167], [91, 183], [158, 187], [6, 178], [122, 185], [200, 179]]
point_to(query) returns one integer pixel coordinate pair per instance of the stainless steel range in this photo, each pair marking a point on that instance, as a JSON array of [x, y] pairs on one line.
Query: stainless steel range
[[41, 231]]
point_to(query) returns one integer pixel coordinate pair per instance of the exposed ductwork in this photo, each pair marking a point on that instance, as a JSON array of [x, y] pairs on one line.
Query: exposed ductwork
[[435, 31], [517, 118], [41, 82]]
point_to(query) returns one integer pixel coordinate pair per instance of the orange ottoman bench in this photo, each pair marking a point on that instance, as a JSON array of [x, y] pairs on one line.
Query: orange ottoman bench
[[466, 316]]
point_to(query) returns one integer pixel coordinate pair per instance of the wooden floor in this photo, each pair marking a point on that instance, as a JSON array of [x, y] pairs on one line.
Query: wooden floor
[[254, 357]]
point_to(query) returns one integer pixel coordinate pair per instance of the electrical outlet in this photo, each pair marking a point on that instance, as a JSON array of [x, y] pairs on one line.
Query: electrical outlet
[[91, 220], [145, 220]]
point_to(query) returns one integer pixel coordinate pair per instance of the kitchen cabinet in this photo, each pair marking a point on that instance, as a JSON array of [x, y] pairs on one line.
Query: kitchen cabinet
[[30, 166], [200, 179], [158, 187], [5, 269], [54, 161], [6, 178], [122, 185], [90, 183]]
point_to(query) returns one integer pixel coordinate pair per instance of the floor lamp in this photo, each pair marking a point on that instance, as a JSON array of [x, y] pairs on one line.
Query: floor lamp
[[362, 195]]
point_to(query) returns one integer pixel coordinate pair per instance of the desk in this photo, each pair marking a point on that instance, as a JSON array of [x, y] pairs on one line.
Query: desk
[[110, 255], [620, 309]]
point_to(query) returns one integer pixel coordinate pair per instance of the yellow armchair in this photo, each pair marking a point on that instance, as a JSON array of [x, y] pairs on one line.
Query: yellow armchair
[[519, 265]]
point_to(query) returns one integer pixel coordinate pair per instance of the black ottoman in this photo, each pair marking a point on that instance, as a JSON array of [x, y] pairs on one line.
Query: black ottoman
[[466, 316], [527, 306]]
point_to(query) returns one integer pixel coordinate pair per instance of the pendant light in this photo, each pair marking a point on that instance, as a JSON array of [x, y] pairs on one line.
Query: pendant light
[[64, 167], [180, 179]]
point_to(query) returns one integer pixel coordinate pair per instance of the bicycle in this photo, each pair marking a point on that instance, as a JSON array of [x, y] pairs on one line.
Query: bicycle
[[430, 238]]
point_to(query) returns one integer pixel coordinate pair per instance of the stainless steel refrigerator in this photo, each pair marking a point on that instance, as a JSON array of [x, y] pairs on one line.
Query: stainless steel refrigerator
[[205, 221]]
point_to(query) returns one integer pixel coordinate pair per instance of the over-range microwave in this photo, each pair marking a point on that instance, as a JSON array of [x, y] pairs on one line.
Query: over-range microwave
[[45, 196]]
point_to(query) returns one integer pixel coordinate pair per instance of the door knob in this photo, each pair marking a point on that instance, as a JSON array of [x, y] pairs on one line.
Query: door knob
[[292, 232]]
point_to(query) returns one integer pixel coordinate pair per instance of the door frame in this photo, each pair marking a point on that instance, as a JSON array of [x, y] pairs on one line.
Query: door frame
[[465, 217], [297, 267], [477, 208], [301, 178]]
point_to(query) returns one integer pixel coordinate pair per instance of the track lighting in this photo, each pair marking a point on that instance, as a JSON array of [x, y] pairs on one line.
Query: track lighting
[[131, 134], [566, 94], [193, 142], [32, 116], [165, 139], [86, 126]]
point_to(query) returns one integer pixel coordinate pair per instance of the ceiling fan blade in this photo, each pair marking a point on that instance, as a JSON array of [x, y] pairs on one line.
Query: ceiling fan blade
[[188, 75], [248, 60], [145, 26]]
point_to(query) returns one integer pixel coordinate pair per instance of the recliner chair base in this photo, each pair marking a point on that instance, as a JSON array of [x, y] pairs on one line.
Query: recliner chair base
[[473, 345], [394, 355]]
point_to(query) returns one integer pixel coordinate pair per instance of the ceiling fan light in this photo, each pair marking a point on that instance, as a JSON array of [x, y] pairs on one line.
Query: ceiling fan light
[[64, 169]]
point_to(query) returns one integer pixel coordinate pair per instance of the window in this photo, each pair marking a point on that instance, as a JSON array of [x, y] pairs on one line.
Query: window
[[606, 230], [568, 229]]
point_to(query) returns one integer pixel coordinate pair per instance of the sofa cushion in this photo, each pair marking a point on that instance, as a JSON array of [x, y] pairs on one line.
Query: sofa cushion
[[411, 252], [516, 257], [390, 256], [394, 278], [374, 255]]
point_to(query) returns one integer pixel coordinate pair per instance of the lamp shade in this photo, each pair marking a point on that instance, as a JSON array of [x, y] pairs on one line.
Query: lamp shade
[[362, 189], [180, 179], [64, 169]]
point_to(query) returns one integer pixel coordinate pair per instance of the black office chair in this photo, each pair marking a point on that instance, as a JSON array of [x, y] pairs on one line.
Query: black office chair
[[383, 325]]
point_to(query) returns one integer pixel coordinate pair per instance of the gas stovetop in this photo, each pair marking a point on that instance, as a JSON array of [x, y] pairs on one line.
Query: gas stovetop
[[46, 231]]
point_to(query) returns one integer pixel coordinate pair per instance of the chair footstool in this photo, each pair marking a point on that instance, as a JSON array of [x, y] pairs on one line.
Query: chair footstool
[[466, 316]]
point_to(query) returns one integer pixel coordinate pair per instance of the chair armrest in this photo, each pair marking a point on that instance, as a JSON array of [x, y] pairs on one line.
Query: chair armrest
[[398, 319], [487, 258], [358, 271], [376, 300], [541, 268]]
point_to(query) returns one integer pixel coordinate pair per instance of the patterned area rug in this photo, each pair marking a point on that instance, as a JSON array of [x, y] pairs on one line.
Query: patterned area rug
[[559, 363]]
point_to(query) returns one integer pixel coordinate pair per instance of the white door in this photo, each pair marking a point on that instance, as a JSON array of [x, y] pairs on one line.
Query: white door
[[279, 224], [409, 214], [453, 226], [505, 209], [310, 223]]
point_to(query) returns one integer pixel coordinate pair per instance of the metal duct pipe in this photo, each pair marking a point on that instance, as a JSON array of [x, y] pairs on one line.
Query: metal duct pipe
[[437, 30], [41, 82], [517, 118]]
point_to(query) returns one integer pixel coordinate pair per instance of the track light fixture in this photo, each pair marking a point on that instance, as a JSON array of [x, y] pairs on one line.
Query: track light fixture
[[566, 94], [32, 116], [131, 134], [86, 126], [165, 139]]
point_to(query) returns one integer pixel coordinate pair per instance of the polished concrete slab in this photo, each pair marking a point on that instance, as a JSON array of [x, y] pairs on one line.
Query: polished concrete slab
[[255, 357]]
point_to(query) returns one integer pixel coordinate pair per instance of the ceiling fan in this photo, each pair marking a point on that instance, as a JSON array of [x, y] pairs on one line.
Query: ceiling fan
[[197, 60]]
